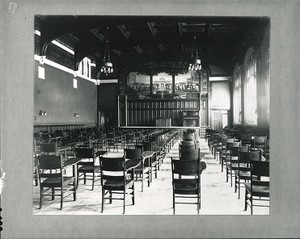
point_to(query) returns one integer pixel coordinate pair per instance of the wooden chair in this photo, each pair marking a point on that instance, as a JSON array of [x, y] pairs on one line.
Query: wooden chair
[[116, 179], [242, 172], [143, 171], [190, 154], [48, 148], [186, 182], [51, 178], [87, 165], [247, 139], [259, 187], [154, 160], [227, 158], [233, 161], [266, 153], [260, 143]]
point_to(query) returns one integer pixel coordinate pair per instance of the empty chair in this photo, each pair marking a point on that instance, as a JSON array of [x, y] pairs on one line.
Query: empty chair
[[45, 137], [258, 189], [186, 182], [154, 160], [190, 154], [225, 151], [260, 143], [233, 160], [220, 146], [242, 172], [266, 153], [143, 171], [48, 148], [247, 139], [116, 179], [87, 167], [111, 142], [226, 159], [52, 179], [193, 145]]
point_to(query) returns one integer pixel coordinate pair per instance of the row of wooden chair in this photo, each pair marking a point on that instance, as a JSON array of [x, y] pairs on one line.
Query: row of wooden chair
[[88, 169], [246, 160], [186, 172]]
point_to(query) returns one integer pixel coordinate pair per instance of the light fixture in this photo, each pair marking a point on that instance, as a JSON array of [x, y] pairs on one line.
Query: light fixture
[[195, 64], [42, 60], [107, 66], [43, 113], [76, 114]]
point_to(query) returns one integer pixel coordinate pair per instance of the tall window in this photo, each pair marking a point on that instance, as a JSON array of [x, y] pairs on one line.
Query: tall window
[[250, 93], [84, 68], [237, 95]]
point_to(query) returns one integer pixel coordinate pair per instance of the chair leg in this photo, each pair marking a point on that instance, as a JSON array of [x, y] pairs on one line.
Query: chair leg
[[41, 197], [222, 164], [150, 172], [93, 181], [149, 176], [230, 177], [235, 182], [133, 199], [198, 204], [84, 178], [110, 196], [53, 192], [245, 200], [251, 206], [142, 180], [102, 206], [124, 200], [61, 198], [239, 188], [226, 174], [77, 177], [74, 194]]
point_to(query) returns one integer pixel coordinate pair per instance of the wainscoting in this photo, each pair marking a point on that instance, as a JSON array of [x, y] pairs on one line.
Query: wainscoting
[[145, 112]]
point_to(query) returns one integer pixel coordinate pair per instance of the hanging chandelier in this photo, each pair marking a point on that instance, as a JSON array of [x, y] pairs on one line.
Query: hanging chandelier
[[195, 64], [107, 66]]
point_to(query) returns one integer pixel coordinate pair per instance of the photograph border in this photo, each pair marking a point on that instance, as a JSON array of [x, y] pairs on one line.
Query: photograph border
[[16, 124]]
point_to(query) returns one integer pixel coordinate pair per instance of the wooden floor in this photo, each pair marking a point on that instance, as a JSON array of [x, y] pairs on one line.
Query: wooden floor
[[218, 198]]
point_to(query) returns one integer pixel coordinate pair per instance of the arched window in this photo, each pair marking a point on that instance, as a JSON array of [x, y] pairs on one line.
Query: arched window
[[237, 95], [250, 92]]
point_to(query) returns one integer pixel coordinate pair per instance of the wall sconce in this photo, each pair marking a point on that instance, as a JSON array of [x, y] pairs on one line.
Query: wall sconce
[[42, 60], [76, 114], [43, 113]]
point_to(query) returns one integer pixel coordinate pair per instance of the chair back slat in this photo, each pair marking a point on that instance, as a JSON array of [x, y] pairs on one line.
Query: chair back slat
[[189, 154], [244, 157], [186, 167], [255, 155], [135, 154], [84, 152], [48, 147], [112, 164], [260, 168], [49, 162]]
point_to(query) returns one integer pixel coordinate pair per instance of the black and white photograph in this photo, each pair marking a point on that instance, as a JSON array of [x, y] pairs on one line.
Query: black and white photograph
[[163, 119]]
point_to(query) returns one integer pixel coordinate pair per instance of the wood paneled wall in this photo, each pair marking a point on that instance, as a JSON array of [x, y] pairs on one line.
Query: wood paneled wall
[[145, 112]]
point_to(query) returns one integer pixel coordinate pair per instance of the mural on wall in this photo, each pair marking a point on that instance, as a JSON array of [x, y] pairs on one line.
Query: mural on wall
[[187, 85], [162, 86], [141, 86], [138, 86]]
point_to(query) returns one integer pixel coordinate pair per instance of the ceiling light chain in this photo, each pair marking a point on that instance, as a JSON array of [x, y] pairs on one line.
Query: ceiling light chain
[[107, 66], [195, 64]]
